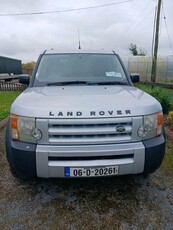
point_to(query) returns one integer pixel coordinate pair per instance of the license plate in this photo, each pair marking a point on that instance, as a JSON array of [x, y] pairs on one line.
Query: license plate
[[91, 172]]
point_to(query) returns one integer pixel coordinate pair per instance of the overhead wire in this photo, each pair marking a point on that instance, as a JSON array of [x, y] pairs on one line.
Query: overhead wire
[[140, 22], [166, 26], [64, 11], [140, 13]]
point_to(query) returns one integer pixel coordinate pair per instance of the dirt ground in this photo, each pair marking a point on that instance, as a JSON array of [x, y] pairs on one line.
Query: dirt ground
[[126, 202]]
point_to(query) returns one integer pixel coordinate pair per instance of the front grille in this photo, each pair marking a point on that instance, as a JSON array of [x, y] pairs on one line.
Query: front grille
[[89, 131]]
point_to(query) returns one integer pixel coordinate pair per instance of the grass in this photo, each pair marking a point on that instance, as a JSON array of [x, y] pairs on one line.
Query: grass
[[6, 99], [167, 82], [146, 88]]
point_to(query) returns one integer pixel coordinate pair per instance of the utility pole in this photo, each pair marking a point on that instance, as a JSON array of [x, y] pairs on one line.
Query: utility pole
[[154, 61]]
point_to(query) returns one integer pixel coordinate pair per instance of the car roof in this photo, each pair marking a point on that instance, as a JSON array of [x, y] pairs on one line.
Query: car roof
[[77, 51]]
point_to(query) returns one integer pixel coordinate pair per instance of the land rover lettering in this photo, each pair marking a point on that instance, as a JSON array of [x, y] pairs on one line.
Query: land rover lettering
[[109, 113]]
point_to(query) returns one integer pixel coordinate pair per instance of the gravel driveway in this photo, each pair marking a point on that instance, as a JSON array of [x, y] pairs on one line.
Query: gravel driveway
[[126, 202]]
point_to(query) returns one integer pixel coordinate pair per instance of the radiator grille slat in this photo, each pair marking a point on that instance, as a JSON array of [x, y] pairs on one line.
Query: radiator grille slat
[[90, 131], [87, 130]]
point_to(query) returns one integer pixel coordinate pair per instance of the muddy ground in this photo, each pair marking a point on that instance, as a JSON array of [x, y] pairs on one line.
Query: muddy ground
[[128, 202]]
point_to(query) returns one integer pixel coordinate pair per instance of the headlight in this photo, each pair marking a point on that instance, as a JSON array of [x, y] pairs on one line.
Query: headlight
[[24, 129], [152, 126]]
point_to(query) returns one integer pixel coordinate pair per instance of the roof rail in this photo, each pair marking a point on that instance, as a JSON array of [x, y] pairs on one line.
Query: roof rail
[[44, 51]]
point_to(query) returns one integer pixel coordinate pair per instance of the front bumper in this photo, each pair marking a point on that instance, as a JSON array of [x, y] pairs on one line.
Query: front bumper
[[49, 161]]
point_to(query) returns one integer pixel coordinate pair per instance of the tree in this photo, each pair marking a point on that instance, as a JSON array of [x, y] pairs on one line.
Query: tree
[[28, 67], [133, 49], [141, 52]]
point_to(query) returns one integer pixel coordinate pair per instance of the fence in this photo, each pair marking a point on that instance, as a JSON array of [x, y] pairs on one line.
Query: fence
[[11, 86]]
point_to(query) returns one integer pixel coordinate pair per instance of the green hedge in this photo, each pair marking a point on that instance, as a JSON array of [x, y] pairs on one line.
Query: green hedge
[[160, 95]]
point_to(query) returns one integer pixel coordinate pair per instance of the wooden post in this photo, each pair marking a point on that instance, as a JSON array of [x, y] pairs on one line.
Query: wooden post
[[154, 61]]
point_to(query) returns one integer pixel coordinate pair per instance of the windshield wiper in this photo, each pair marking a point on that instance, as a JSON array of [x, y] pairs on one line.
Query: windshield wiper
[[106, 83], [67, 83], [88, 83]]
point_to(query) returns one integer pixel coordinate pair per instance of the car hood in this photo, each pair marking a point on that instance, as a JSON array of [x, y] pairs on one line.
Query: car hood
[[84, 102]]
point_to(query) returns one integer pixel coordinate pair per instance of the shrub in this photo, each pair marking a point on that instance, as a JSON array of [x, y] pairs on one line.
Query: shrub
[[162, 97], [170, 116]]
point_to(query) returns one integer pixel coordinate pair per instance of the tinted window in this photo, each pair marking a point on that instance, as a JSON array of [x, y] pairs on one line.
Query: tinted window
[[79, 67]]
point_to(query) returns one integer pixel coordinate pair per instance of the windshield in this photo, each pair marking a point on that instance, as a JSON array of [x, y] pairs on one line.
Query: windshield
[[79, 69]]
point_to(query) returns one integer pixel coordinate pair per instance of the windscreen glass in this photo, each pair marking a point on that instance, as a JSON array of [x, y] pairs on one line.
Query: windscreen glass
[[57, 68]]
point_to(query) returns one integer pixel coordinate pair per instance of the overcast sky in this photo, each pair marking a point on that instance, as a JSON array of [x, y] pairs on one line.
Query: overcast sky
[[111, 27]]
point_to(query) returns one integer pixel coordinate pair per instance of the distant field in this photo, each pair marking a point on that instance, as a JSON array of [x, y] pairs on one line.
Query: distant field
[[6, 99]]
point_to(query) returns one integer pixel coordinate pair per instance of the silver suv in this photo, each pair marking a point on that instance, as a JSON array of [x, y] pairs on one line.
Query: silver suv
[[81, 117]]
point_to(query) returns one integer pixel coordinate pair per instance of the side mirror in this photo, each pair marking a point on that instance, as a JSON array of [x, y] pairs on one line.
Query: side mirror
[[24, 79], [135, 77]]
